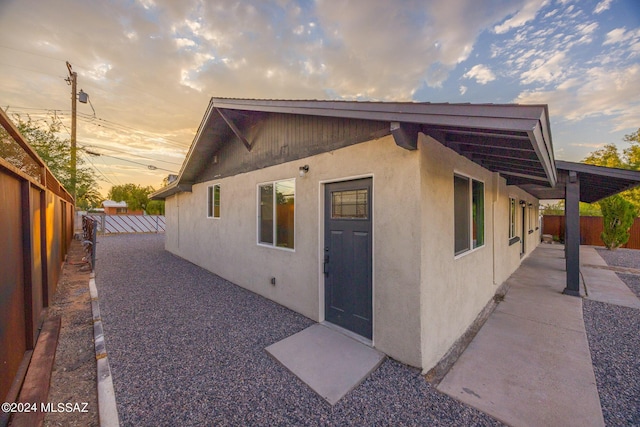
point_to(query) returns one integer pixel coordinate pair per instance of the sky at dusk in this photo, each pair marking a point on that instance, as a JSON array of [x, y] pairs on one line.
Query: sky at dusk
[[151, 66]]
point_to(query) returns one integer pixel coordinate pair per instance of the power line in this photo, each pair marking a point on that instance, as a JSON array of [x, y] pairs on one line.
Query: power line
[[97, 121], [150, 167], [130, 154], [108, 124], [31, 53], [106, 179]]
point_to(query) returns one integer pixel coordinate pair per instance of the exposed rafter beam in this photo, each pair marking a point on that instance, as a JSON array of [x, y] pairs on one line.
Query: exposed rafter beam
[[525, 176], [234, 128], [500, 142], [485, 152], [483, 133]]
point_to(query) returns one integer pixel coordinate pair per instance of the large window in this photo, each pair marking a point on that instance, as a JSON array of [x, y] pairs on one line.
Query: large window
[[276, 213], [468, 214], [213, 201]]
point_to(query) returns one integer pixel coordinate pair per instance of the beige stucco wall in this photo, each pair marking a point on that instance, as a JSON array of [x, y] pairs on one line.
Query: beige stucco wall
[[454, 290], [424, 297], [228, 246]]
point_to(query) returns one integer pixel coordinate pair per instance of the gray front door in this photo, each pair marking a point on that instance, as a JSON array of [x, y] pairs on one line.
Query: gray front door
[[348, 255]]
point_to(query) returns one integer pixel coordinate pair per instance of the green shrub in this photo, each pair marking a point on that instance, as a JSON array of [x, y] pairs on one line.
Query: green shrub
[[618, 216]]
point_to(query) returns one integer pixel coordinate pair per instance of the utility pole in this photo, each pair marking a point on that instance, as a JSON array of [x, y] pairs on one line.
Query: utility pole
[[73, 81]]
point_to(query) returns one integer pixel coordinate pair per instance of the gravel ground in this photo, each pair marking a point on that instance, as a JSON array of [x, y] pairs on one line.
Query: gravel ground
[[624, 258], [187, 348], [614, 341], [621, 257]]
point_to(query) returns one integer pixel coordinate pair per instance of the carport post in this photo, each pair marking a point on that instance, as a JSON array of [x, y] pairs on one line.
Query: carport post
[[572, 234]]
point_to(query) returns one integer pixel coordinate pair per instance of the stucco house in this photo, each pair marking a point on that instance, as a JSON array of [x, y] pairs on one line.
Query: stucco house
[[397, 222]]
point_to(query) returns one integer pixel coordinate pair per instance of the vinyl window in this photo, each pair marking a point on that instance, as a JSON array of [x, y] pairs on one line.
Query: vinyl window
[[213, 201], [276, 213], [512, 217], [531, 218], [468, 214]]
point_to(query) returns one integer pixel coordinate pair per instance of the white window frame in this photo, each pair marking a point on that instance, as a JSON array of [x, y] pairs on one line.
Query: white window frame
[[471, 248], [274, 245], [211, 197]]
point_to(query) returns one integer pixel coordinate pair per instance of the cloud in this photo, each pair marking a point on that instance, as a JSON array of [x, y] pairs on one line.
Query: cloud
[[525, 14], [154, 64], [545, 70], [602, 92], [602, 6], [621, 35], [481, 73], [594, 145]]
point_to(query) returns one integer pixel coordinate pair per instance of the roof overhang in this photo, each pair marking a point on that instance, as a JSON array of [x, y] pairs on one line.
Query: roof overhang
[[596, 182], [513, 140]]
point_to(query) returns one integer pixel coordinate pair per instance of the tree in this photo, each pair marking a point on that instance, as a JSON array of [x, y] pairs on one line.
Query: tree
[[629, 158], [608, 156], [155, 207], [618, 217], [43, 136], [586, 209], [137, 197]]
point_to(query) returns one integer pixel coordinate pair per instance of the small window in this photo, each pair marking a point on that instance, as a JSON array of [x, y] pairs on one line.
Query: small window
[[461, 213], [531, 218], [468, 214], [478, 213], [512, 217], [276, 214], [213, 201]]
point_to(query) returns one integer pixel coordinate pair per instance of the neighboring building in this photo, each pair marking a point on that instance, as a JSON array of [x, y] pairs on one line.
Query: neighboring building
[[396, 221], [119, 208]]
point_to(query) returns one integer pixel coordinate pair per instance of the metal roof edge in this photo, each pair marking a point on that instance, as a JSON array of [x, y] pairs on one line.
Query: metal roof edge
[[170, 190], [407, 109], [628, 174]]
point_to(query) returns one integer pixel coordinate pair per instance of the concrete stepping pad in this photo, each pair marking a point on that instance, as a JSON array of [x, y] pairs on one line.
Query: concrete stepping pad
[[330, 363]]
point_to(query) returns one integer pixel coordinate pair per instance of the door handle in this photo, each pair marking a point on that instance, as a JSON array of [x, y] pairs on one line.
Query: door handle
[[325, 266]]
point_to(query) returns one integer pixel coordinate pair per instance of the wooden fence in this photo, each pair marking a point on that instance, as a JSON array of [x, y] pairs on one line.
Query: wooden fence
[[36, 225], [590, 230], [113, 224]]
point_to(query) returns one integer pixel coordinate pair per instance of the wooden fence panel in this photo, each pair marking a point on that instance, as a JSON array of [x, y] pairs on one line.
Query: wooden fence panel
[[35, 237], [590, 230], [13, 342]]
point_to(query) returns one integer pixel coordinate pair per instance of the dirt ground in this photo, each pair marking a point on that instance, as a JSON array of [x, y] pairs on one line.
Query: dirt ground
[[73, 379]]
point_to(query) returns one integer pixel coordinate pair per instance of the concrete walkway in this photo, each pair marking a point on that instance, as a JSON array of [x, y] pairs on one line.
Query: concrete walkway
[[602, 283], [530, 363]]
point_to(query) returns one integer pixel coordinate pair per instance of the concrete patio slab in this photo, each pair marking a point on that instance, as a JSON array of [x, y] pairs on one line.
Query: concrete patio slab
[[330, 363], [530, 363], [603, 284]]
